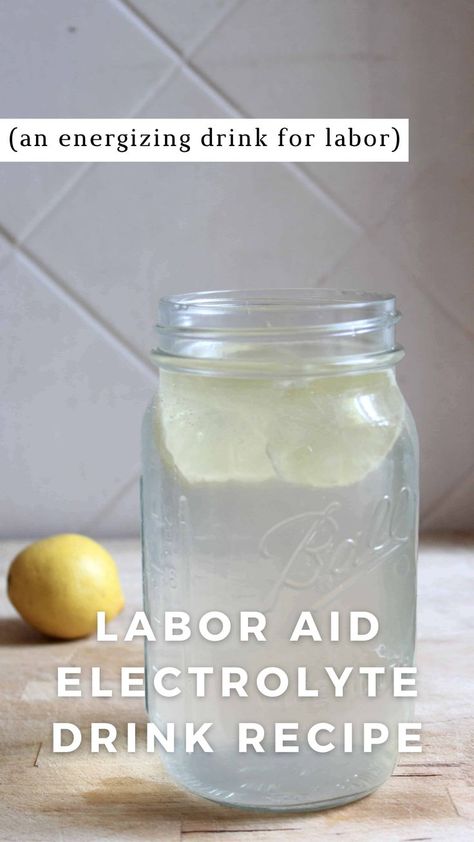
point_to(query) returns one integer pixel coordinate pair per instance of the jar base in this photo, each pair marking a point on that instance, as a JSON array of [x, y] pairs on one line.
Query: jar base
[[305, 807]]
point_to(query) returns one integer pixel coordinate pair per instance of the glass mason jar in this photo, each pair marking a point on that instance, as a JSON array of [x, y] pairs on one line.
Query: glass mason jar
[[280, 475]]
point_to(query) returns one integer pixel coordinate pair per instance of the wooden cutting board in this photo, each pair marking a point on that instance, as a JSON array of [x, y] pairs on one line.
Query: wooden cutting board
[[90, 798]]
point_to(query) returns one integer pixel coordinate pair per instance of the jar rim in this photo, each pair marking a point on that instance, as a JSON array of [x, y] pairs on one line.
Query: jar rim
[[303, 329], [280, 308]]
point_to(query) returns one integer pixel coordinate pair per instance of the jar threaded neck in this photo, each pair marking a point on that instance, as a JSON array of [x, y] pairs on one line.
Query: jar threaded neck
[[303, 332]]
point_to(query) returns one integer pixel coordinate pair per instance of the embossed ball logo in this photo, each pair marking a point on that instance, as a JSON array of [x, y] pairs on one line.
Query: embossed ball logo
[[309, 550]]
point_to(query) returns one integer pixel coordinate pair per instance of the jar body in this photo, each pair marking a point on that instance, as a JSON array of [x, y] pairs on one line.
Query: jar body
[[279, 497]]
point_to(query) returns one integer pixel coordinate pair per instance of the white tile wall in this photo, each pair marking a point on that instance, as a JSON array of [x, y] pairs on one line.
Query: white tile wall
[[437, 210], [72, 408], [280, 59], [28, 190], [86, 251], [79, 58]]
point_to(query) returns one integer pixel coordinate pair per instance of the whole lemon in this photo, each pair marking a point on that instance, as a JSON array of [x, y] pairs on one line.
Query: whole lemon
[[59, 583]]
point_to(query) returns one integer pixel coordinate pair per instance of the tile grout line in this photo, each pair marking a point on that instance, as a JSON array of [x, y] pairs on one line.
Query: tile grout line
[[53, 203], [340, 260], [216, 24], [222, 99], [107, 331], [314, 187], [141, 20], [180, 60], [426, 292]]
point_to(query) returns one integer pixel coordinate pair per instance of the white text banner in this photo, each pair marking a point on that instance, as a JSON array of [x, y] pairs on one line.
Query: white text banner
[[203, 140]]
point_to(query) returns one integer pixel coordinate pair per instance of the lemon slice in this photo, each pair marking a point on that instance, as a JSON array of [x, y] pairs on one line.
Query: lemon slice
[[214, 429], [335, 430], [323, 432]]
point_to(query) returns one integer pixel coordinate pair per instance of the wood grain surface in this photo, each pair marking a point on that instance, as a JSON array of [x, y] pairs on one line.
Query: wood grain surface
[[89, 798]]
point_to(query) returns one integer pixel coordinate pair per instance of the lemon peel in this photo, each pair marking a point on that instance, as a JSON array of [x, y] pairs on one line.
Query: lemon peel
[[59, 583]]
